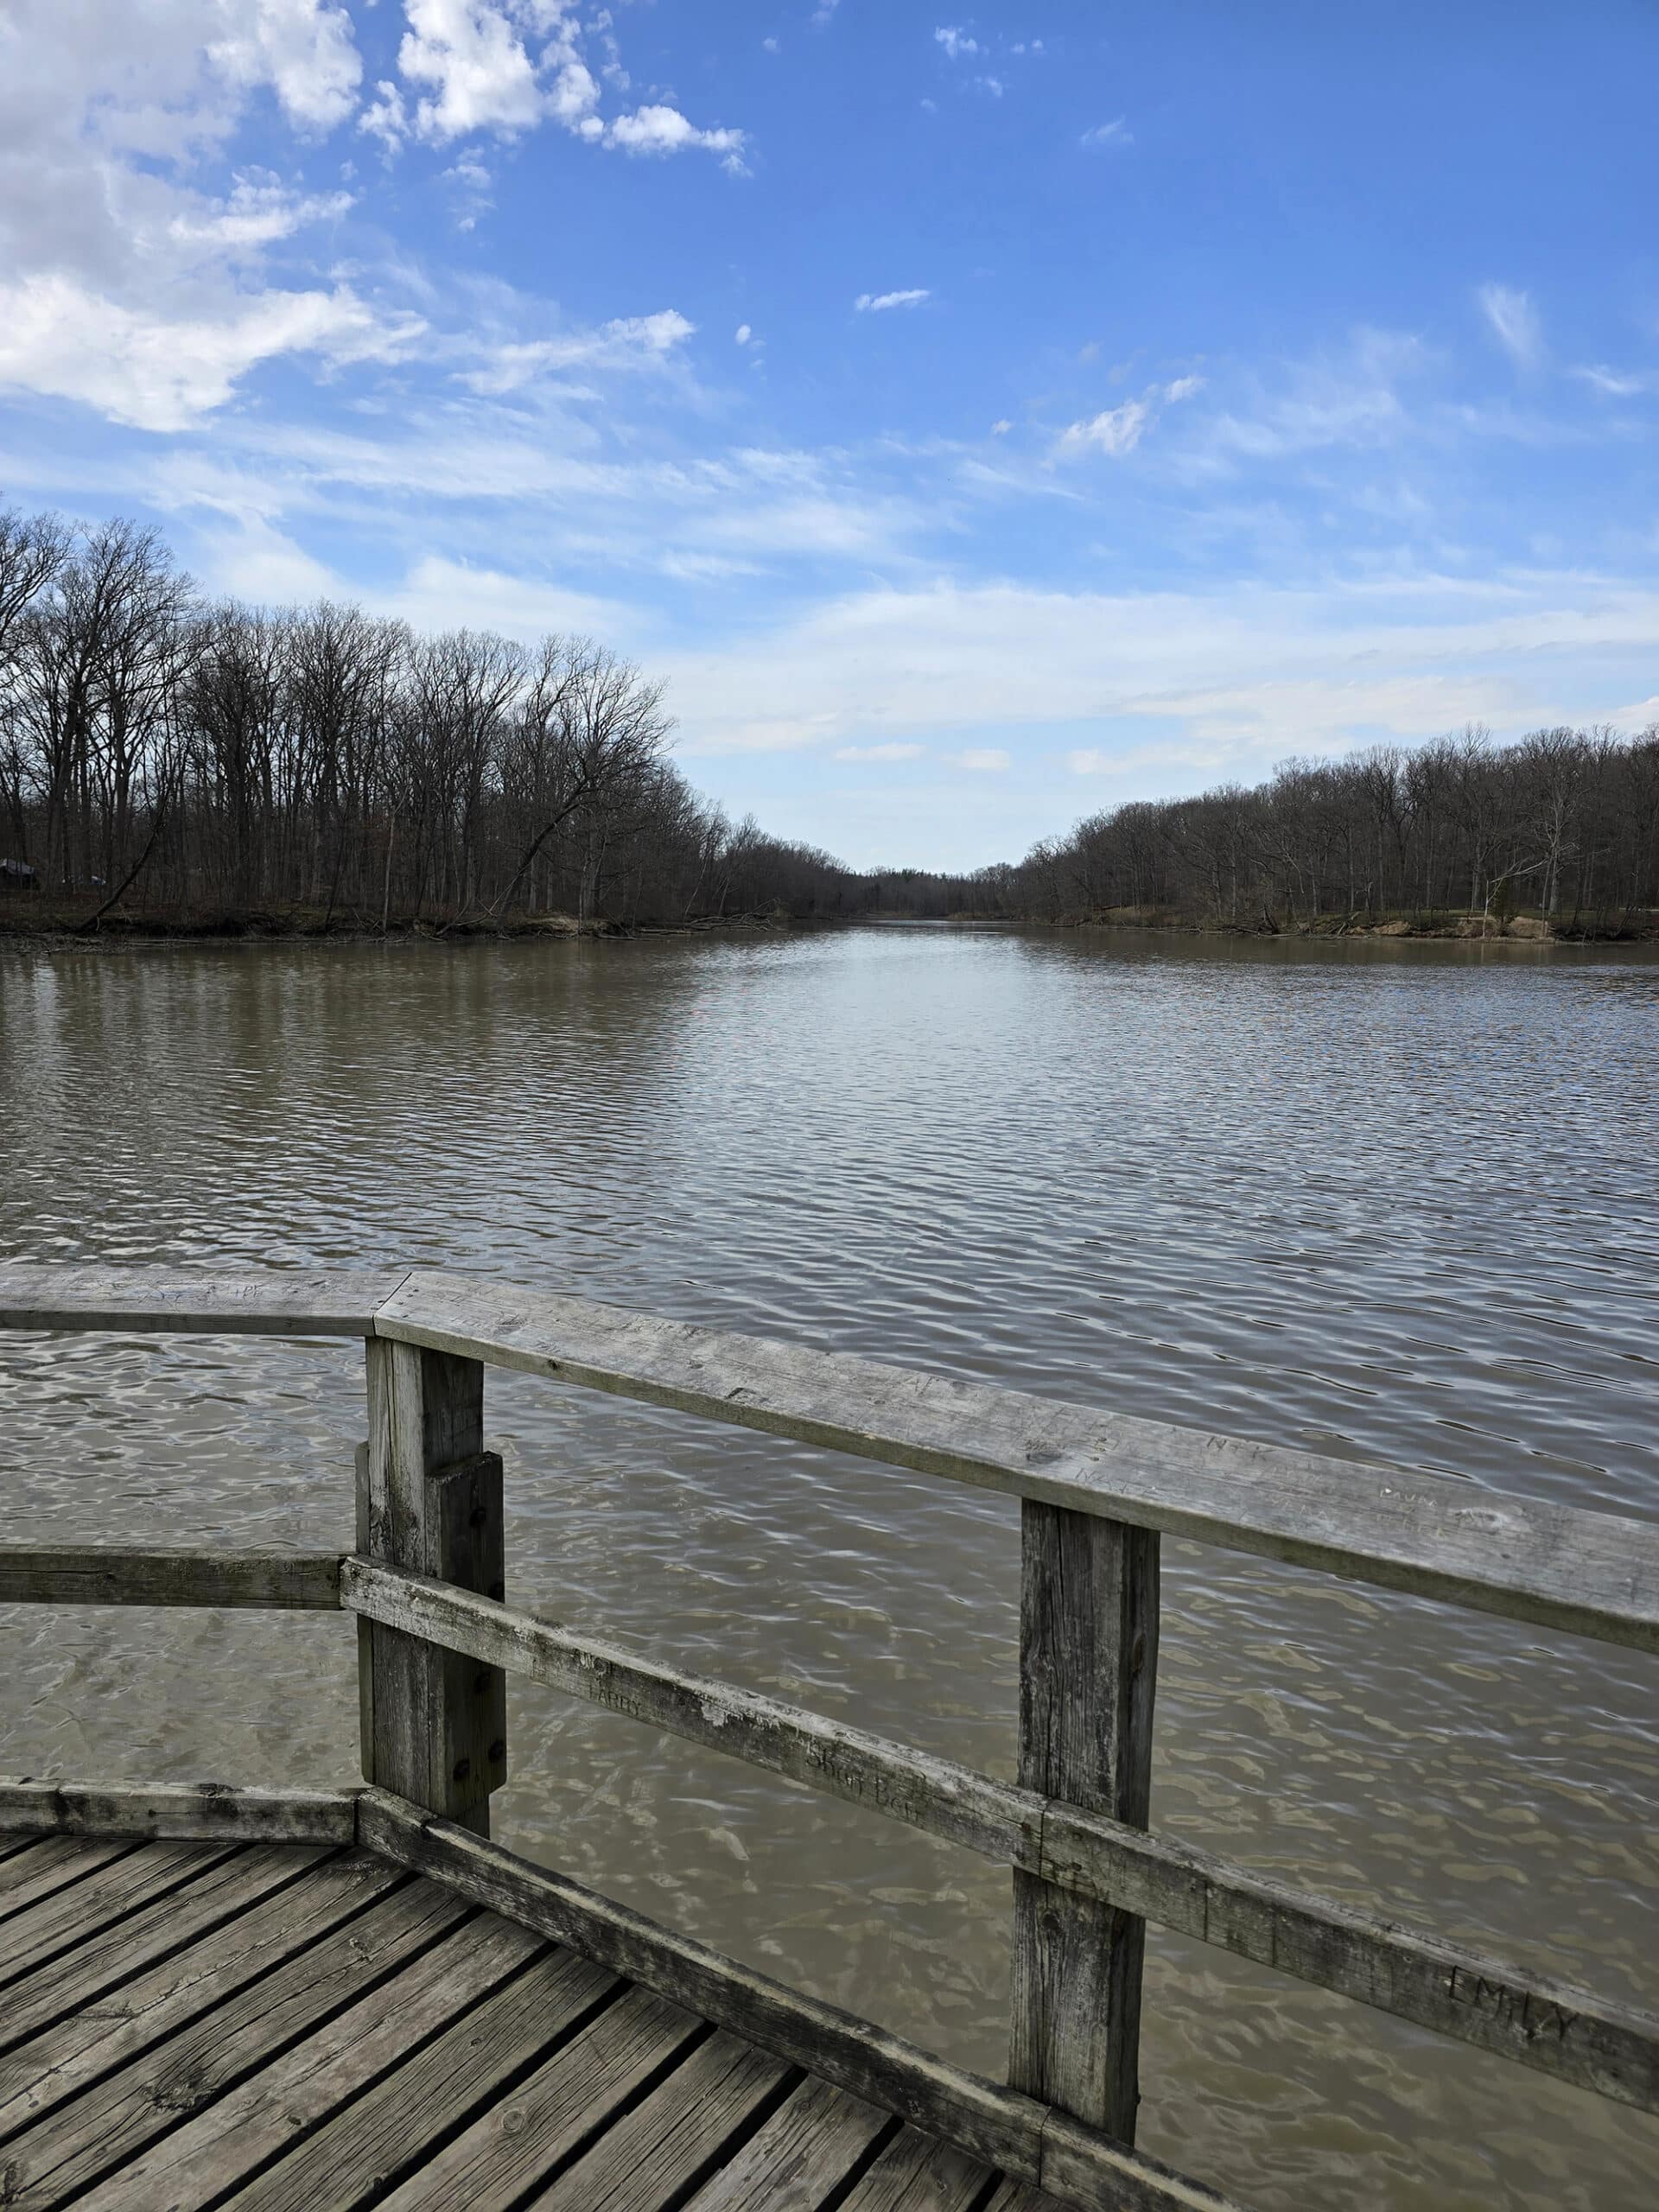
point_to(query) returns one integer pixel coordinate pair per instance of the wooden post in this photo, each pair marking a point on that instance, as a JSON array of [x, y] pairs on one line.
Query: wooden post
[[1088, 1667], [428, 1501]]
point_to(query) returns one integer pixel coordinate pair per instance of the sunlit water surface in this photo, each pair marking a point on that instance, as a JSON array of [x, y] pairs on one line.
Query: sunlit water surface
[[1396, 1204]]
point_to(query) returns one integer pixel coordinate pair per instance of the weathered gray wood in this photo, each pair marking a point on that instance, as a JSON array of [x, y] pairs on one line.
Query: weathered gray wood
[[646, 2159], [915, 2174], [89, 1575], [1008, 2130], [33, 1852], [390, 2132], [434, 1508], [1593, 1574], [194, 1811], [45, 1873], [491, 2164], [57, 1924], [70, 2149], [226, 1954], [1015, 2196], [195, 1301], [194, 2165], [1535, 2019], [1088, 1669], [77, 1980], [803, 2153]]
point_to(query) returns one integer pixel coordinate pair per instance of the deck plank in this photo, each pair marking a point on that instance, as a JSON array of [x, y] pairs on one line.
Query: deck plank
[[82, 1978], [491, 2164], [654, 2153], [235, 2133], [253, 2027], [83, 2046], [914, 2173], [69, 2149], [110, 1893], [60, 1862], [391, 2131], [806, 2150]]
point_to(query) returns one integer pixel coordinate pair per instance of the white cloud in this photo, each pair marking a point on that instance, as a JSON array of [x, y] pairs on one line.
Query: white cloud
[[983, 759], [1515, 321], [955, 41], [1000, 428], [386, 118], [1350, 399], [259, 211], [162, 370], [630, 341], [878, 303], [992, 85], [508, 65], [1115, 133], [1246, 673], [439, 594], [659, 130], [303, 49], [1182, 388], [479, 69], [1116, 431], [880, 752], [1612, 383], [742, 334]]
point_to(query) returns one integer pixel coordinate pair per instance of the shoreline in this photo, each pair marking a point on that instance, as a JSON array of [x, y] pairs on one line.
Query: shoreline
[[56, 930]]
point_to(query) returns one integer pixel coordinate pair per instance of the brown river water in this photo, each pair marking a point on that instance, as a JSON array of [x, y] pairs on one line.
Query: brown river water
[[1393, 1202]]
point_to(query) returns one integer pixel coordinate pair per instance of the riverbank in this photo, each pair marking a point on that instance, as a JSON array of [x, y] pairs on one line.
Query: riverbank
[[30, 920], [1642, 928]]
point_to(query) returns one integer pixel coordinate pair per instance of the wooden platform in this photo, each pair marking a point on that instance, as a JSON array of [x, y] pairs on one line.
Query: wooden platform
[[186, 2025]]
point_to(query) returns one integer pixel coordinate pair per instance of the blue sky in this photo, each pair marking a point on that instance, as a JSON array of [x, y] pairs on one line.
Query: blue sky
[[979, 418]]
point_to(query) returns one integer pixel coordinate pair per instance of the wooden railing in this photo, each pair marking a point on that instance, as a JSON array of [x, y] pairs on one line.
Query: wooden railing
[[1097, 1491]]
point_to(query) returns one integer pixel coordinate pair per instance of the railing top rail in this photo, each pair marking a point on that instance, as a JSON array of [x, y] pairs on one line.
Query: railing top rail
[[198, 1301], [1593, 1574]]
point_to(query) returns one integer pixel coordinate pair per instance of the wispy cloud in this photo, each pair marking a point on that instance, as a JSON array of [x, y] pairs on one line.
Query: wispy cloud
[[627, 341], [1115, 133], [983, 759], [955, 41], [878, 303], [1117, 430], [880, 752], [1514, 321], [1613, 383]]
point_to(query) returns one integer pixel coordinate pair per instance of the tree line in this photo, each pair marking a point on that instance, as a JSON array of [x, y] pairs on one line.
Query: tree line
[[163, 754], [1562, 823], [170, 755]]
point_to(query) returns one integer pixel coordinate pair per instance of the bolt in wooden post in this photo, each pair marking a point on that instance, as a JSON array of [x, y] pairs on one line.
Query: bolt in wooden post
[[434, 1722], [1088, 1667]]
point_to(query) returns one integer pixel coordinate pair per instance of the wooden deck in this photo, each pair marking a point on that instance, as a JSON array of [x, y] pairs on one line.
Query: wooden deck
[[186, 2025]]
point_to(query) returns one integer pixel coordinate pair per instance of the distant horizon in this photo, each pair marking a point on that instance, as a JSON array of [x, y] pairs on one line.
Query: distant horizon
[[978, 421]]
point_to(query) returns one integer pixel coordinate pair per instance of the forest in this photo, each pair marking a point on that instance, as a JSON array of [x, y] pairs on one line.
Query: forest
[[166, 759]]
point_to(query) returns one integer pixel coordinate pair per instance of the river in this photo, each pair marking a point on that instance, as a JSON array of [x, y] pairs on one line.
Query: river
[[1392, 1202]]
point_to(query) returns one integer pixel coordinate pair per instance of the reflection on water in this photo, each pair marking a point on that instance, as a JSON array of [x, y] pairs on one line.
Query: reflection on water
[[1396, 1204]]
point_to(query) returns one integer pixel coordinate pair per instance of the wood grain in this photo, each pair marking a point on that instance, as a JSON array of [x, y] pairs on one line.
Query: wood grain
[[196, 1301], [433, 1506], [1088, 1669], [388, 2133], [196, 1811], [94, 1575]]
